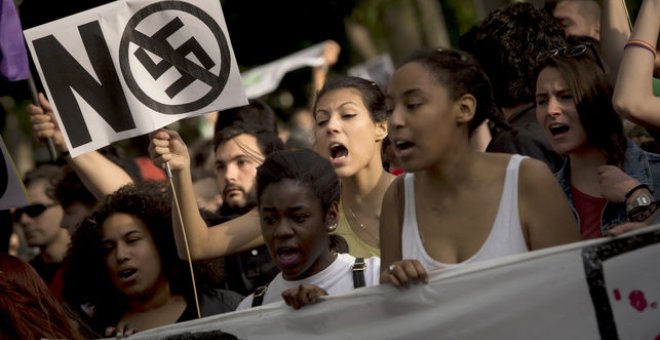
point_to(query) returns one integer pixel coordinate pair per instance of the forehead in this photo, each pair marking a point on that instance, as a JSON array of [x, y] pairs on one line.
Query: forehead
[[241, 145], [410, 76], [338, 97], [37, 191], [287, 193], [550, 77], [120, 224]]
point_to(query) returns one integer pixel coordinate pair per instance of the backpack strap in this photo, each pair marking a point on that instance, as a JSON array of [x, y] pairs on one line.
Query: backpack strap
[[358, 272], [259, 293]]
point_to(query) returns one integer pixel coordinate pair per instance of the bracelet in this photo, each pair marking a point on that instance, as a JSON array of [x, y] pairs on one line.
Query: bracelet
[[65, 153], [635, 188], [642, 44]]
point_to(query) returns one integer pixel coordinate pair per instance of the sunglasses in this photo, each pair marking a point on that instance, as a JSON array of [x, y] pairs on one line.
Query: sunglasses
[[572, 51], [32, 210]]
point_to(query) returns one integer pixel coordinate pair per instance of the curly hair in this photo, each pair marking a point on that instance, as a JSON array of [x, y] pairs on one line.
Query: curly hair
[[507, 44], [86, 279]]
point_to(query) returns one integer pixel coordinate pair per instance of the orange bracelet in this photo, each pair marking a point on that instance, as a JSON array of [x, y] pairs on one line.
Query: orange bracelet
[[642, 44]]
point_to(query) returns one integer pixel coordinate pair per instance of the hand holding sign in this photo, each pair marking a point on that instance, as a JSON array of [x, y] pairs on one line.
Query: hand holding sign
[[44, 124], [167, 147]]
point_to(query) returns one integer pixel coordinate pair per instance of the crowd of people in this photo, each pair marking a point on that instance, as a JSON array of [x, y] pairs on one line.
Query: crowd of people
[[390, 173]]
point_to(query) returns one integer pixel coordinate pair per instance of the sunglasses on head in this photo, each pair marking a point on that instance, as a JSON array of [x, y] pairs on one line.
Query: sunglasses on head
[[32, 210], [572, 51]]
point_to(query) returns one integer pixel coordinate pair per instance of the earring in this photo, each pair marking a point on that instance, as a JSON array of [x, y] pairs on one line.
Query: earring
[[332, 227]]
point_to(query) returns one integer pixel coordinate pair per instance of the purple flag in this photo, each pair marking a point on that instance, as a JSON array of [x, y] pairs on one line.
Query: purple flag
[[13, 55]]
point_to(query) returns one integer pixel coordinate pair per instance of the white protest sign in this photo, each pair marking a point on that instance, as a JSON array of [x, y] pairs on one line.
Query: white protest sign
[[266, 78], [132, 66], [548, 294], [12, 191]]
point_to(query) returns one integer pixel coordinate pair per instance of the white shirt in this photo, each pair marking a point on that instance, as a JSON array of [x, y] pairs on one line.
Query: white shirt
[[336, 279]]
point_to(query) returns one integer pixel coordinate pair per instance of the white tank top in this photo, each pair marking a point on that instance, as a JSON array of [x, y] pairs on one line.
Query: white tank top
[[505, 238]]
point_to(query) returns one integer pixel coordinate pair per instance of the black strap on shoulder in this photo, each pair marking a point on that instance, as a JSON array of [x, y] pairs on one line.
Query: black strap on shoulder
[[358, 272], [258, 298]]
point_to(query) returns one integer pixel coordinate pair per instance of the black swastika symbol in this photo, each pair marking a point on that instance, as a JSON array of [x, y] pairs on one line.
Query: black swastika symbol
[[189, 70], [190, 46]]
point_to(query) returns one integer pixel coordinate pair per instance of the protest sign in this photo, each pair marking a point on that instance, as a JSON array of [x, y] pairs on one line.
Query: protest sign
[[131, 66], [599, 289], [266, 78], [12, 191]]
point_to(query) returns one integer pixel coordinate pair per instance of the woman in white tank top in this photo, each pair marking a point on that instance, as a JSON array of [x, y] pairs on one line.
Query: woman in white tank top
[[456, 205]]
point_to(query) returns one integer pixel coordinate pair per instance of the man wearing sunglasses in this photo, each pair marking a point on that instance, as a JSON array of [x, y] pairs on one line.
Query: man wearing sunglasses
[[41, 222]]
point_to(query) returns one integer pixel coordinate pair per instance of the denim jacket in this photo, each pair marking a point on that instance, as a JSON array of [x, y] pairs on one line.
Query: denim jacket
[[639, 164]]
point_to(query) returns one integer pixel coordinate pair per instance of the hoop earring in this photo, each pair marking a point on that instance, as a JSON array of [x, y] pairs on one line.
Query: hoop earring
[[332, 227]]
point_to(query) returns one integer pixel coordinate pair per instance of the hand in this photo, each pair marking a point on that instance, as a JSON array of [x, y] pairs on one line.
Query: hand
[[167, 147], [122, 330], [402, 273], [626, 228], [614, 183], [303, 295], [331, 52], [44, 123]]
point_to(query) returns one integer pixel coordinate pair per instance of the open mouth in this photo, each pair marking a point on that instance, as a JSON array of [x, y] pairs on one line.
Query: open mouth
[[402, 145], [338, 151], [127, 273], [557, 129], [287, 256]]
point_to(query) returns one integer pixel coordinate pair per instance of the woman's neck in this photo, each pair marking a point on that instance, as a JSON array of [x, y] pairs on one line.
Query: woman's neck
[[454, 169], [161, 295], [584, 170], [365, 190]]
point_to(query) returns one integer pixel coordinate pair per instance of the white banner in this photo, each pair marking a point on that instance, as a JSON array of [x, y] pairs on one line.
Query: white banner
[[132, 66], [12, 191], [602, 289], [266, 78]]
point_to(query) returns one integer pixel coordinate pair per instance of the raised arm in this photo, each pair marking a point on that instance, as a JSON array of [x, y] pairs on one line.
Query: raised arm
[[633, 94], [614, 33], [547, 220], [100, 175], [239, 234]]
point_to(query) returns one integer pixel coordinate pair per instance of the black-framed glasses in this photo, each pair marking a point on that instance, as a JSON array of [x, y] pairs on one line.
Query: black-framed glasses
[[32, 210], [572, 51]]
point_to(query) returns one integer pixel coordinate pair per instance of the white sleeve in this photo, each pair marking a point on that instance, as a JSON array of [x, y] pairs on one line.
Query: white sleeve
[[246, 303]]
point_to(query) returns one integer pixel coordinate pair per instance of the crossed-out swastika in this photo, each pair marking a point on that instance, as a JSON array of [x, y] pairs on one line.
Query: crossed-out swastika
[[190, 46], [190, 71]]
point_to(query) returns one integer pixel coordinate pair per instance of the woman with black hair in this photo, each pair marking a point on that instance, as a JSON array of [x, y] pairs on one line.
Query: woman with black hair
[[608, 180], [456, 206], [298, 203], [123, 268]]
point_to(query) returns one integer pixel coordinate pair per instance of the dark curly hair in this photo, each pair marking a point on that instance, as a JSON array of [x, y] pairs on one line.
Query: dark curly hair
[[592, 94], [507, 44], [461, 74], [86, 278]]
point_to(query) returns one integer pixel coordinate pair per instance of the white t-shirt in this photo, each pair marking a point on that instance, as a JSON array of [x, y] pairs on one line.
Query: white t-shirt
[[336, 279]]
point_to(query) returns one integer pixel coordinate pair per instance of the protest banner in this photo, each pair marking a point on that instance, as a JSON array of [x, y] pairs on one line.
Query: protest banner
[[13, 56], [131, 66], [266, 78], [600, 289], [12, 191]]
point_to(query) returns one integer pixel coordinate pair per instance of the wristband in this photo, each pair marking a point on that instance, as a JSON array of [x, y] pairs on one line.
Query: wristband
[[64, 153], [635, 188]]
